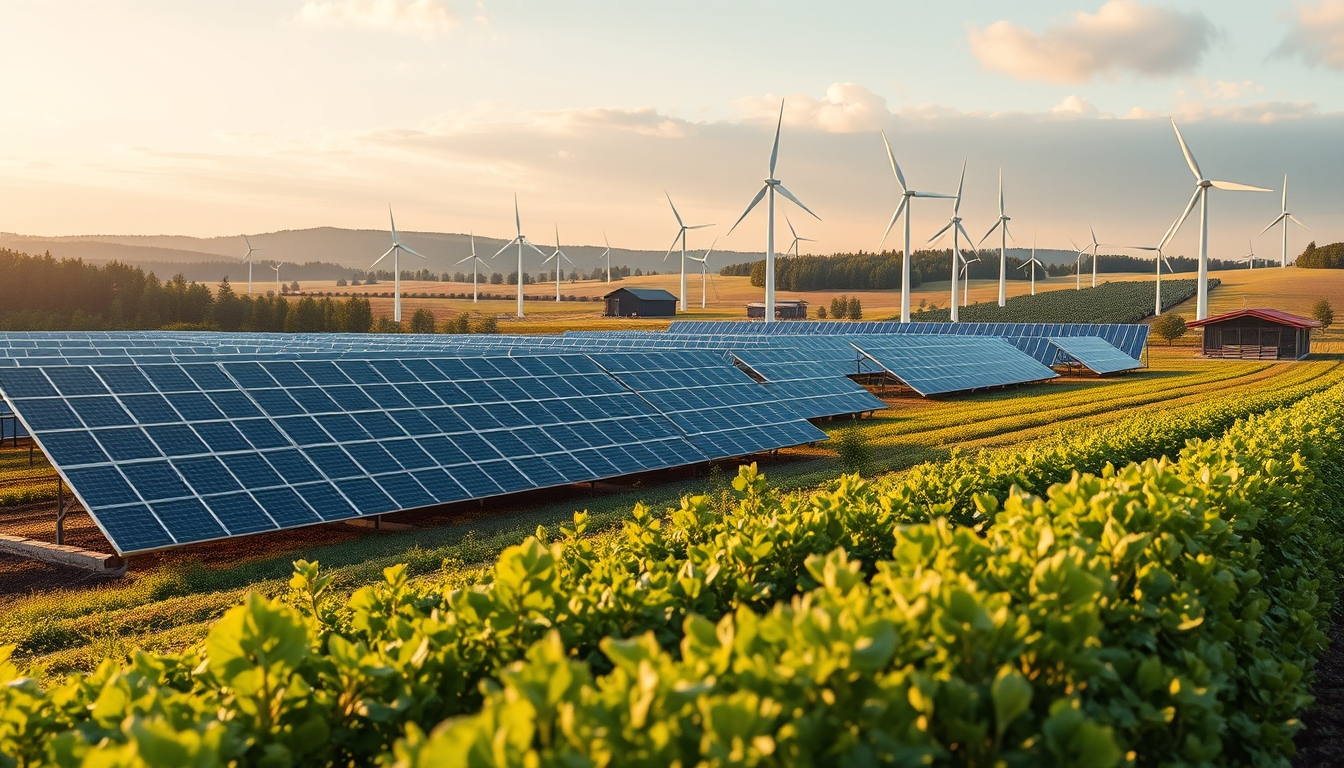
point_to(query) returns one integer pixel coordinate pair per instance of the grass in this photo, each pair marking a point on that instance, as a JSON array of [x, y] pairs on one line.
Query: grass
[[171, 604]]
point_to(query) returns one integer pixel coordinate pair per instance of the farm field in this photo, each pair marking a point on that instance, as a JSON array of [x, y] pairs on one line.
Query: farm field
[[62, 622]]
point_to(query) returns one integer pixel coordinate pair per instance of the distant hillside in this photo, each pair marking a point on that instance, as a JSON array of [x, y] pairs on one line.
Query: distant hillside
[[349, 248]]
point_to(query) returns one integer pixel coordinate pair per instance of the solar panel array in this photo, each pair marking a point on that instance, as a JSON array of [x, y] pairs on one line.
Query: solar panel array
[[1096, 354], [934, 366]]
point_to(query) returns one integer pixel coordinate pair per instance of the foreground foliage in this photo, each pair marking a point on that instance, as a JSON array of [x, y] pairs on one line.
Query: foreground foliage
[[1167, 612]]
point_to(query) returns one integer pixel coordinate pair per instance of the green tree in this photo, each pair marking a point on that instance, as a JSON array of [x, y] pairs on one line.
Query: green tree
[[1323, 312], [1169, 327], [840, 307], [821, 313], [486, 324], [229, 308], [422, 321], [855, 310]]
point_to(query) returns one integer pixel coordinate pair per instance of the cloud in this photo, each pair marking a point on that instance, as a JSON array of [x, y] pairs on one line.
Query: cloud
[[1317, 34], [1074, 107], [846, 108], [1222, 90], [1122, 36], [426, 18], [1263, 112]]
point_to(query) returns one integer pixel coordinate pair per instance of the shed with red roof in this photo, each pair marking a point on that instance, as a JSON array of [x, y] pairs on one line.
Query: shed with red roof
[[1257, 334]]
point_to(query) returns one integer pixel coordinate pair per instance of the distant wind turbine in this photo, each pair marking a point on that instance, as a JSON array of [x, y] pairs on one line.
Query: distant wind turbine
[[771, 186], [1095, 245], [1032, 264], [475, 260], [1077, 265], [395, 250], [954, 224], [906, 195], [248, 258], [1003, 244], [796, 239], [1249, 257], [559, 268], [704, 271], [1160, 260], [607, 255], [965, 279], [519, 240], [1285, 217], [681, 235], [1201, 196], [279, 286]]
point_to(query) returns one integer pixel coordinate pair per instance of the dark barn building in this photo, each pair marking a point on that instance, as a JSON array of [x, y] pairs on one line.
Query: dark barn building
[[784, 310], [640, 302], [1257, 334]]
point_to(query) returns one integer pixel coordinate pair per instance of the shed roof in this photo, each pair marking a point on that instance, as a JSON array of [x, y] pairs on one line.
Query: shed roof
[[1272, 315], [645, 294]]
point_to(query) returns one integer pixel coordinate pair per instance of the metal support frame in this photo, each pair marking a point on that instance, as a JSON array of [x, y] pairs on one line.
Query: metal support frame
[[62, 509]]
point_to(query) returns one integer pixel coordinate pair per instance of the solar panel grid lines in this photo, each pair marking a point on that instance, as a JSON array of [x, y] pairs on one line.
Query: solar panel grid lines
[[1095, 354], [284, 436], [935, 365]]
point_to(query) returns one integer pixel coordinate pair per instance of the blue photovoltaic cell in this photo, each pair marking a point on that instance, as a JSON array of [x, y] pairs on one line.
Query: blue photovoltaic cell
[[1096, 354], [934, 365]]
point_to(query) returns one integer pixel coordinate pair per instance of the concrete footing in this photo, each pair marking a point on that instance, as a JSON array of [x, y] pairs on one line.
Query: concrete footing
[[100, 563]]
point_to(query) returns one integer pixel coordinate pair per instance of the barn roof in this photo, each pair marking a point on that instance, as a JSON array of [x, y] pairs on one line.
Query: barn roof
[[646, 294], [1272, 315]]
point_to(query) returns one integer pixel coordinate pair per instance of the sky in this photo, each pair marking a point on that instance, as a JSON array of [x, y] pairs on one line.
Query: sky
[[214, 118]]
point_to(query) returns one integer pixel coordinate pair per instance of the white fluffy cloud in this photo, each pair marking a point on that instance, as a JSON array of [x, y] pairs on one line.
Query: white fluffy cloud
[[420, 17], [1074, 107], [846, 108], [1122, 36], [1317, 34]]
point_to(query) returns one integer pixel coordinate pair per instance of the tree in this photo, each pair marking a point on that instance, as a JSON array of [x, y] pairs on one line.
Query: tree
[[840, 307], [821, 313], [358, 316], [1323, 312], [1170, 327], [228, 307], [486, 324], [855, 308], [422, 321]]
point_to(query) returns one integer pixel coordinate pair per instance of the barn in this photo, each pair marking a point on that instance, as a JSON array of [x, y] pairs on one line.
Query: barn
[[1257, 334], [640, 302], [784, 310]]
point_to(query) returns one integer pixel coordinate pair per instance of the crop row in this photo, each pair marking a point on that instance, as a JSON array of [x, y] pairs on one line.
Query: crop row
[[316, 681], [1115, 302]]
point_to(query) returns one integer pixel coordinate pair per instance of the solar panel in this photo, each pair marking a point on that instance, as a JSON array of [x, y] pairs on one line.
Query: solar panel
[[934, 365], [720, 410], [1096, 354], [168, 454]]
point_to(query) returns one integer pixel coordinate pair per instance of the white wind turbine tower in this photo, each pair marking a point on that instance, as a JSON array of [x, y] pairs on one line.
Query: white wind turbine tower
[[1003, 244], [1285, 217], [1160, 259], [796, 239], [1032, 264], [279, 286], [954, 224], [607, 255], [965, 279], [906, 195], [681, 235], [248, 259], [475, 260], [771, 186], [1095, 245], [520, 240], [1201, 196], [1077, 265], [559, 268], [704, 271], [395, 250]]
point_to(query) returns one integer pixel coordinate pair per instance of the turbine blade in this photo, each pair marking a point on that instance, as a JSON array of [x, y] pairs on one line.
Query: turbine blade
[[711, 249], [1298, 223], [937, 195], [506, 247], [895, 168], [1189, 157], [394, 223], [965, 234], [1176, 227], [1285, 193], [892, 223], [956, 207], [535, 248], [792, 231], [780, 188], [774, 152], [940, 232], [673, 245], [1275, 221], [517, 220], [1233, 186], [1001, 213], [990, 232], [680, 223], [1092, 232], [754, 201], [413, 253], [700, 226], [463, 261], [384, 256]]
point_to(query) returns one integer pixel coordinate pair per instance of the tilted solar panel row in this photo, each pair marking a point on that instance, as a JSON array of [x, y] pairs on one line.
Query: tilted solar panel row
[[934, 366]]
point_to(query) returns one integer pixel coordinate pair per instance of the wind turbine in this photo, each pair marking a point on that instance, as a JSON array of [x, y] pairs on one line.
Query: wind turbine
[[796, 239], [1003, 245], [965, 279], [250, 249], [954, 224], [704, 271], [1284, 217], [1095, 245], [906, 195], [395, 250], [1032, 264], [1250, 257], [474, 259], [520, 240], [607, 254], [681, 235], [279, 286], [1077, 265], [1201, 196], [771, 186], [1160, 259], [559, 268]]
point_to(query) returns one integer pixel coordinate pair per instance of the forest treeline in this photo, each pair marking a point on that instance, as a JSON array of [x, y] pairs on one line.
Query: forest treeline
[[1325, 257], [40, 293], [875, 271]]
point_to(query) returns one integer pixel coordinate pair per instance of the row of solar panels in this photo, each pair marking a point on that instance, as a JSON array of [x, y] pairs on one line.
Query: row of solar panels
[[164, 454]]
